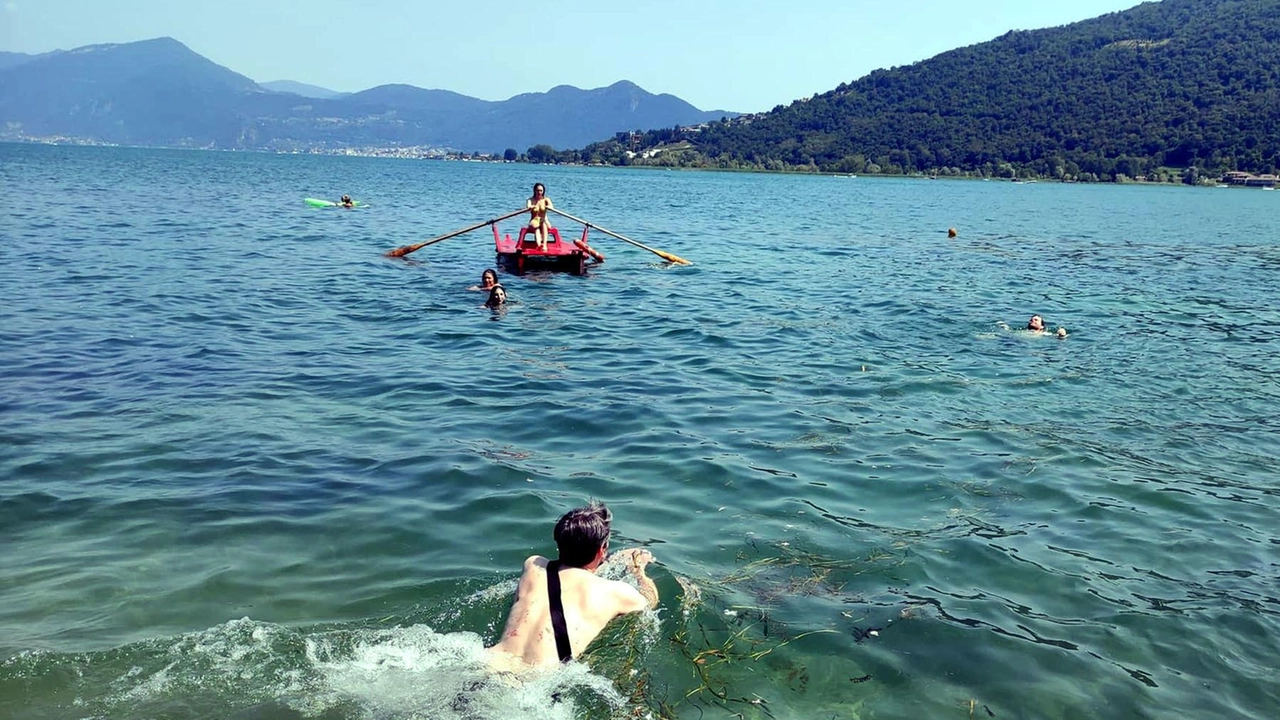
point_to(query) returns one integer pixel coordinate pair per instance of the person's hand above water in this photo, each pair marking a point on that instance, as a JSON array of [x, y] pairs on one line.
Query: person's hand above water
[[633, 557]]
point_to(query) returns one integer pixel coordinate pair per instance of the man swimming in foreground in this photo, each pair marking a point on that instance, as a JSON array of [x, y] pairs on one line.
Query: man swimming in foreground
[[561, 605]]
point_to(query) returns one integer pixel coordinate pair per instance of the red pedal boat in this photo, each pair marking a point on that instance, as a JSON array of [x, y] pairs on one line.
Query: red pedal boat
[[522, 254]]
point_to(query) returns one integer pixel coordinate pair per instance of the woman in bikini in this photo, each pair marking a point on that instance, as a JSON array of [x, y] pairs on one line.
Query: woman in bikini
[[538, 205]]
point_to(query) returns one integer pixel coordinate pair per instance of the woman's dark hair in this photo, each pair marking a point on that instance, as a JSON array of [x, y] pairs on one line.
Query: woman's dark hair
[[490, 272], [493, 300], [581, 533], [540, 185]]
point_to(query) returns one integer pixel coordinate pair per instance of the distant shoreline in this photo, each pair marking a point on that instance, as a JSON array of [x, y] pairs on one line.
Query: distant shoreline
[[422, 153]]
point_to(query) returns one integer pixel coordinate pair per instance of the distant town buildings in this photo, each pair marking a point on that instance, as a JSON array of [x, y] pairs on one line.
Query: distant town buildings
[[1250, 180]]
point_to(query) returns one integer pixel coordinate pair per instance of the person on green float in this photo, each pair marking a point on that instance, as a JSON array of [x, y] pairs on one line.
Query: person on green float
[[347, 202]]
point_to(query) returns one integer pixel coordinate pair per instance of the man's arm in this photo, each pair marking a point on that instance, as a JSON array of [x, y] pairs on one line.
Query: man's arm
[[647, 589], [635, 560]]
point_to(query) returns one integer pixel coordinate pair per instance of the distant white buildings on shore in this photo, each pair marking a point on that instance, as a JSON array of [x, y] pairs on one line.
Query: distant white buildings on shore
[[1250, 180]]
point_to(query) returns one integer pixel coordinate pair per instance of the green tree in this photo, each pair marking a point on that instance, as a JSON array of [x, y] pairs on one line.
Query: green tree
[[541, 154]]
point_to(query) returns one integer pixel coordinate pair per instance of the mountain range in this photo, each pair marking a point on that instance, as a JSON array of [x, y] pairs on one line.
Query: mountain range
[[161, 93], [1176, 89]]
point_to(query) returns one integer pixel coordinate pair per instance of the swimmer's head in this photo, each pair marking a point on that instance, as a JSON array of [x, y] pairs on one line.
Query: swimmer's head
[[488, 278], [1036, 323], [497, 296], [583, 533]]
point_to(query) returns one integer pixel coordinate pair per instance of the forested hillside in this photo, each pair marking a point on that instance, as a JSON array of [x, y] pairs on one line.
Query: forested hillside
[[1169, 88]]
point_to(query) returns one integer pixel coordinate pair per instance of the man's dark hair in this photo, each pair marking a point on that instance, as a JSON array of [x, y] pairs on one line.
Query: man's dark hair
[[581, 532]]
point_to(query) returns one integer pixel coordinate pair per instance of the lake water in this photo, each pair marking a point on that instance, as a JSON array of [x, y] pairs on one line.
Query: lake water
[[250, 468]]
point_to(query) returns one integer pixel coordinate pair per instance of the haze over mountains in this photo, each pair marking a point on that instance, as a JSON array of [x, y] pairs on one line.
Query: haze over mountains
[[160, 93], [303, 89]]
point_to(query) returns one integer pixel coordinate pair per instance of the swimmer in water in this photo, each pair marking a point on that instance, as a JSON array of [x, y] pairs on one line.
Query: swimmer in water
[[1036, 325], [562, 605], [488, 279], [497, 297]]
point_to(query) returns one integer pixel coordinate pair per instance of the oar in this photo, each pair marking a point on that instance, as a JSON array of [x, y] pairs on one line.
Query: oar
[[402, 251], [664, 255]]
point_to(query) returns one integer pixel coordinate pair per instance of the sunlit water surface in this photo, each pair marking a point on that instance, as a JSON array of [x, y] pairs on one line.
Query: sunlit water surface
[[252, 469]]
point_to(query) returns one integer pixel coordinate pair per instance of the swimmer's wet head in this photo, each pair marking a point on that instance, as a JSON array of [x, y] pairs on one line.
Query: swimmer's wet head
[[1036, 323], [582, 535], [497, 296]]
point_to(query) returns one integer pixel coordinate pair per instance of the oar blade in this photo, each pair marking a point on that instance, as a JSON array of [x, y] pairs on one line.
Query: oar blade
[[672, 258], [400, 251]]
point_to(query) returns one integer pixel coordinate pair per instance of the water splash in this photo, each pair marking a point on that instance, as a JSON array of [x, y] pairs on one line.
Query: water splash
[[249, 669]]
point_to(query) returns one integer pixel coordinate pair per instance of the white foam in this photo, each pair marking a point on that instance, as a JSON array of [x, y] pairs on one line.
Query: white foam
[[398, 673], [416, 672]]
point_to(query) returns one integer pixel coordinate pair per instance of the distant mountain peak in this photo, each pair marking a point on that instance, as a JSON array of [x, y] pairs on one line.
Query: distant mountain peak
[[160, 43]]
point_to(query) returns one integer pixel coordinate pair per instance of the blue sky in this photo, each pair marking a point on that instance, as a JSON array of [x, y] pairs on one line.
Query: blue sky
[[742, 55]]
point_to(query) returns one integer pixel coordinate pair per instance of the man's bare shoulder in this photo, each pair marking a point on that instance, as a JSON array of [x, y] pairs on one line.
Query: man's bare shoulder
[[534, 566], [624, 597]]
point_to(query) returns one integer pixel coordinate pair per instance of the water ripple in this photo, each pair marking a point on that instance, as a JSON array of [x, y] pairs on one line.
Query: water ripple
[[219, 403]]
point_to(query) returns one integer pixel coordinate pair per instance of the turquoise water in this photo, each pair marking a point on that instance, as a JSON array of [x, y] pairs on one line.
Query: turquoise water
[[250, 468]]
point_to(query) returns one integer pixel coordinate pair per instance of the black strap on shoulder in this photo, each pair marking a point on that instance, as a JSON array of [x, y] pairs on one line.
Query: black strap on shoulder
[[558, 626]]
